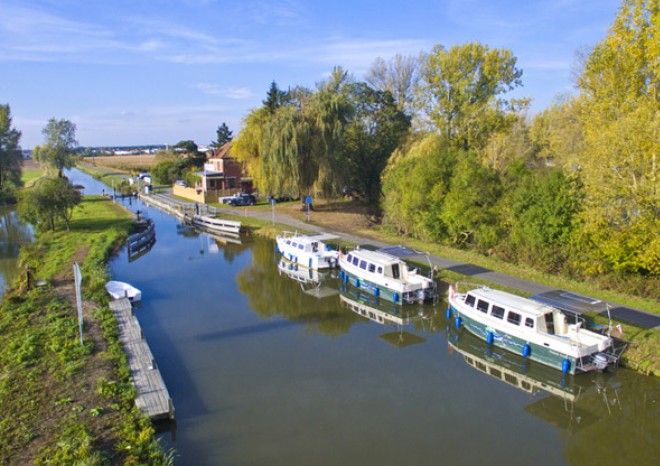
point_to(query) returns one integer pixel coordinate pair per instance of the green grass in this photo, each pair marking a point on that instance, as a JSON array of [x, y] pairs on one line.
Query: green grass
[[56, 407], [30, 175]]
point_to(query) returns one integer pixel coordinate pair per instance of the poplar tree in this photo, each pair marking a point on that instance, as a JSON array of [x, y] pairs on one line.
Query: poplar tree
[[619, 111], [10, 153], [461, 90]]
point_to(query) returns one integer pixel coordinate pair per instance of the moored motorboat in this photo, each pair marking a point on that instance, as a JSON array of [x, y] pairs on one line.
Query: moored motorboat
[[119, 290], [532, 329], [214, 223], [387, 276], [309, 251]]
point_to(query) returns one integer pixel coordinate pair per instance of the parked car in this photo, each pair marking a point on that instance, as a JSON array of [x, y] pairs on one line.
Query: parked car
[[242, 199]]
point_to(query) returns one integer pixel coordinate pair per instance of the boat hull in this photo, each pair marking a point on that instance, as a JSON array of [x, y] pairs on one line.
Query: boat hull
[[118, 290], [517, 345], [378, 290]]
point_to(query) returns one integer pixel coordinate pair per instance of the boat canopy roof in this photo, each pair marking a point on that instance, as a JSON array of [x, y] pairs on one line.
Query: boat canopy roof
[[570, 302], [309, 238], [377, 257], [511, 301]]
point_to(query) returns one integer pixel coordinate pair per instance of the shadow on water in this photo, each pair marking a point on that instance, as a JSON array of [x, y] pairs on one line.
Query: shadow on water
[[248, 330]]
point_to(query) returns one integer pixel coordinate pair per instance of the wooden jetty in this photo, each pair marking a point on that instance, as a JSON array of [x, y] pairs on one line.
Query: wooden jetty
[[152, 398]]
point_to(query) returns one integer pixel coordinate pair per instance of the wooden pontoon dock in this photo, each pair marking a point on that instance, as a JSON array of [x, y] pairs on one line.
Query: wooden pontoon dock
[[152, 398]]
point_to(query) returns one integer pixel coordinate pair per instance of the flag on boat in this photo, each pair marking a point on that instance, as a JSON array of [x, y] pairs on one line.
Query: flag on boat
[[619, 328]]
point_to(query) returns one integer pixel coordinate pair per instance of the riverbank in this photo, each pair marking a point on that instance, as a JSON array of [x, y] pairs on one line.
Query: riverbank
[[64, 402], [351, 219]]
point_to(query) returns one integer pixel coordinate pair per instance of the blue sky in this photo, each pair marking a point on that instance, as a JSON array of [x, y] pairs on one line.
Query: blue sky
[[157, 72]]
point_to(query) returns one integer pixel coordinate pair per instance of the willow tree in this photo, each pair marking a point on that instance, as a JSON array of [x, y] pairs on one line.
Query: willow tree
[[247, 147], [461, 91], [333, 109], [620, 116]]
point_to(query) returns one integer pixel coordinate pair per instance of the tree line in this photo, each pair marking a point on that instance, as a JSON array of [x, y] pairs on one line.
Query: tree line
[[436, 147]]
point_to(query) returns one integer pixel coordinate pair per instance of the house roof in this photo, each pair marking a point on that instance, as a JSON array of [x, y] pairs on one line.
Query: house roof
[[222, 152]]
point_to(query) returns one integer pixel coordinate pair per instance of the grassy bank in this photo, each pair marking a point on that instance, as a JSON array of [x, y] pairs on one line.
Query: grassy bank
[[64, 402]]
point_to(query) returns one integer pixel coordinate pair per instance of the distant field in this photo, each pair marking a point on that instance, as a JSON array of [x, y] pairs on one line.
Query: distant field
[[124, 162]]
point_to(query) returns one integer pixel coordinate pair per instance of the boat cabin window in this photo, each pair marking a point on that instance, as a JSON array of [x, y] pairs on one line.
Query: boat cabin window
[[301, 246], [380, 270], [529, 322], [469, 300], [482, 305], [288, 241], [315, 246], [395, 271], [372, 268], [497, 312], [363, 265], [513, 318], [295, 245], [549, 323], [355, 261], [349, 258]]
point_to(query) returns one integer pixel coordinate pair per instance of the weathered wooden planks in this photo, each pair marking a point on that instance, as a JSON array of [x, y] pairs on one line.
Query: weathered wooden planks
[[152, 398]]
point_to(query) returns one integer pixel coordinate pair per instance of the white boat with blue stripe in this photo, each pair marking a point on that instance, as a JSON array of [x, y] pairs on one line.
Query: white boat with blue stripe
[[386, 275], [532, 329]]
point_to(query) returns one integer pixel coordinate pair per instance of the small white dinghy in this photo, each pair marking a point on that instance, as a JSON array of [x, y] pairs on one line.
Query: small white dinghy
[[123, 290]]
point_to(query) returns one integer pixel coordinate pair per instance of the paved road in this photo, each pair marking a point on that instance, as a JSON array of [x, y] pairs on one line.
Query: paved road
[[618, 312]]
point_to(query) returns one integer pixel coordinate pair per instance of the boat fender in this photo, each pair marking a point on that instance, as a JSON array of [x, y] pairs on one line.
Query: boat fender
[[448, 313], [357, 283], [345, 278], [310, 262], [457, 322], [395, 297], [526, 351], [341, 274], [566, 366], [376, 292], [489, 338]]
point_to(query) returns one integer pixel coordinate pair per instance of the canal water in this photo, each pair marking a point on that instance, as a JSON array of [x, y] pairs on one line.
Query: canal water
[[267, 369]]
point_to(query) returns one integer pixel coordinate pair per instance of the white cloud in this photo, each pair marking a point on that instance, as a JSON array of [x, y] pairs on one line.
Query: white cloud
[[228, 92]]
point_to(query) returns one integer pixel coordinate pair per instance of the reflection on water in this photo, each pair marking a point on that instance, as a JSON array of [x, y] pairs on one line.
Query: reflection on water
[[262, 372], [13, 234], [601, 414], [318, 283]]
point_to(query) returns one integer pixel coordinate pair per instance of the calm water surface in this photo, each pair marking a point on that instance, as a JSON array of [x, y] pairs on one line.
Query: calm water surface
[[13, 234], [263, 373]]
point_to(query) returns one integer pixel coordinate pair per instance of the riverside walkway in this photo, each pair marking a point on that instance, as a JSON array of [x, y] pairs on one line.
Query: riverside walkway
[[619, 312]]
